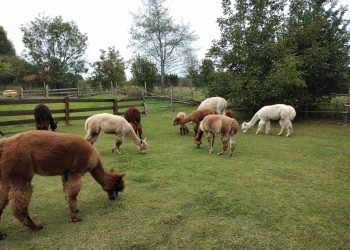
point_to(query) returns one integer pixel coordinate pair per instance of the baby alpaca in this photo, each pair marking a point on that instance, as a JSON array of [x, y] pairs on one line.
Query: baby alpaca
[[218, 124], [196, 117], [182, 126]]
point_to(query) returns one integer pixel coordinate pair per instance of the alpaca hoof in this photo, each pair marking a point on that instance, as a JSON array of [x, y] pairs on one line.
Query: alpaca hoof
[[37, 228], [3, 236], [76, 219]]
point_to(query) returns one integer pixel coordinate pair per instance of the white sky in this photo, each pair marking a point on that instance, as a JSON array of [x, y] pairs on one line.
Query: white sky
[[107, 22]]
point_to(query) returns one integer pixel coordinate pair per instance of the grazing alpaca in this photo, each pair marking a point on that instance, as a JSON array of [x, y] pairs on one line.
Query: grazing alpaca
[[182, 126], [218, 124], [196, 117], [229, 113], [26, 154], [284, 113], [43, 118], [133, 116], [112, 124], [217, 103]]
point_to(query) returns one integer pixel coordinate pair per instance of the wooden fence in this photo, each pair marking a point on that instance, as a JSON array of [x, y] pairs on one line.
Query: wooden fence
[[66, 111]]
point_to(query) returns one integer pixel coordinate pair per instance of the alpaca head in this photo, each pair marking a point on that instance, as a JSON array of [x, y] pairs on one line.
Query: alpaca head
[[142, 146], [244, 127], [198, 143], [176, 121], [53, 126], [118, 185]]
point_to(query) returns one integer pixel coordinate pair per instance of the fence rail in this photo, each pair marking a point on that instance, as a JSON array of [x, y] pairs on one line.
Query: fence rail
[[67, 111]]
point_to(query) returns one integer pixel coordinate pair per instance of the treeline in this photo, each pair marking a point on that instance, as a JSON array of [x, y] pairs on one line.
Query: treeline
[[277, 52]]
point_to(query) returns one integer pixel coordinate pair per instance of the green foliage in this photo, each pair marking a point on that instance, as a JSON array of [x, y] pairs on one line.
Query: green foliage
[[58, 45], [110, 69], [287, 57], [154, 36], [144, 71], [6, 46]]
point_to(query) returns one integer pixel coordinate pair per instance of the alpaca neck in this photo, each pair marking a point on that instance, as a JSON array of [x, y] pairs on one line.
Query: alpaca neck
[[186, 119], [253, 121], [133, 136], [100, 174]]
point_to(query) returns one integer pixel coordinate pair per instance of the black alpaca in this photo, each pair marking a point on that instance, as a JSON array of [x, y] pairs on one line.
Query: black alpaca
[[44, 118]]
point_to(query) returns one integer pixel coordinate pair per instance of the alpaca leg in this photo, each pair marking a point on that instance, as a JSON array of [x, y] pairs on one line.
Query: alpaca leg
[[118, 142], [139, 129], [210, 138], [232, 144], [289, 127], [283, 125], [4, 192], [92, 138], [4, 196], [71, 188], [267, 127], [224, 141], [19, 198], [260, 126], [186, 129]]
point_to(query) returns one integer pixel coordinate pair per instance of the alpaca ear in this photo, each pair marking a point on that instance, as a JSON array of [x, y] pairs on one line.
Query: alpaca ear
[[120, 178], [112, 170]]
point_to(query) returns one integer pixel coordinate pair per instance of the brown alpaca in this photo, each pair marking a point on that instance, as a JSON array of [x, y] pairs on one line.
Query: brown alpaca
[[182, 126], [133, 116], [68, 155], [229, 113], [218, 124], [44, 118], [196, 117]]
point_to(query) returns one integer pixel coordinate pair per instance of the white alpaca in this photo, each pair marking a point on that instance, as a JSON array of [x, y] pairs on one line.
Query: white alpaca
[[284, 113], [112, 124], [217, 103]]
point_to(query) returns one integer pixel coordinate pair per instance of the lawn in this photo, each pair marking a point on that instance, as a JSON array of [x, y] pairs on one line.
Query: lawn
[[273, 193]]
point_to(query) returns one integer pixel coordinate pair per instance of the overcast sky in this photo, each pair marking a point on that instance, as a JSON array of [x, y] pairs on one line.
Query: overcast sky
[[107, 22]]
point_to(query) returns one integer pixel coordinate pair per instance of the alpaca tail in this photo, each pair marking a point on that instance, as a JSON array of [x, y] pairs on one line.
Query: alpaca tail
[[292, 114]]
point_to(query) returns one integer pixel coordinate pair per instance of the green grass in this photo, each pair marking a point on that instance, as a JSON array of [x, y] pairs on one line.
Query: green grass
[[273, 193]]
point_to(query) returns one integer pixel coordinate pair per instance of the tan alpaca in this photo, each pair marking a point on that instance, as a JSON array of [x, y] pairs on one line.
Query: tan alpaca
[[49, 154], [112, 124], [218, 124], [196, 117], [182, 126]]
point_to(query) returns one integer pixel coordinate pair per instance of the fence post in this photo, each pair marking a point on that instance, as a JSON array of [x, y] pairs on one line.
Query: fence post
[[78, 90], [172, 97], [46, 90], [115, 107], [21, 94], [66, 110]]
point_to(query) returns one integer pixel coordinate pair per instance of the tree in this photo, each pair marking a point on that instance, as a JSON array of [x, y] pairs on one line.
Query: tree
[[279, 57], [318, 34], [144, 71], [110, 68], [155, 36], [59, 45], [6, 46]]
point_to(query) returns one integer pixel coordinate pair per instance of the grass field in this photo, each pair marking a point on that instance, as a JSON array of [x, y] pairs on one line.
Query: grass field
[[273, 193]]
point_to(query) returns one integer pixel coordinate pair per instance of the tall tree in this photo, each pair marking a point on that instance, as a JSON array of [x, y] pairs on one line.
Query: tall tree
[[155, 36], [144, 71], [109, 69], [319, 36], [6, 46], [59, 45]]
